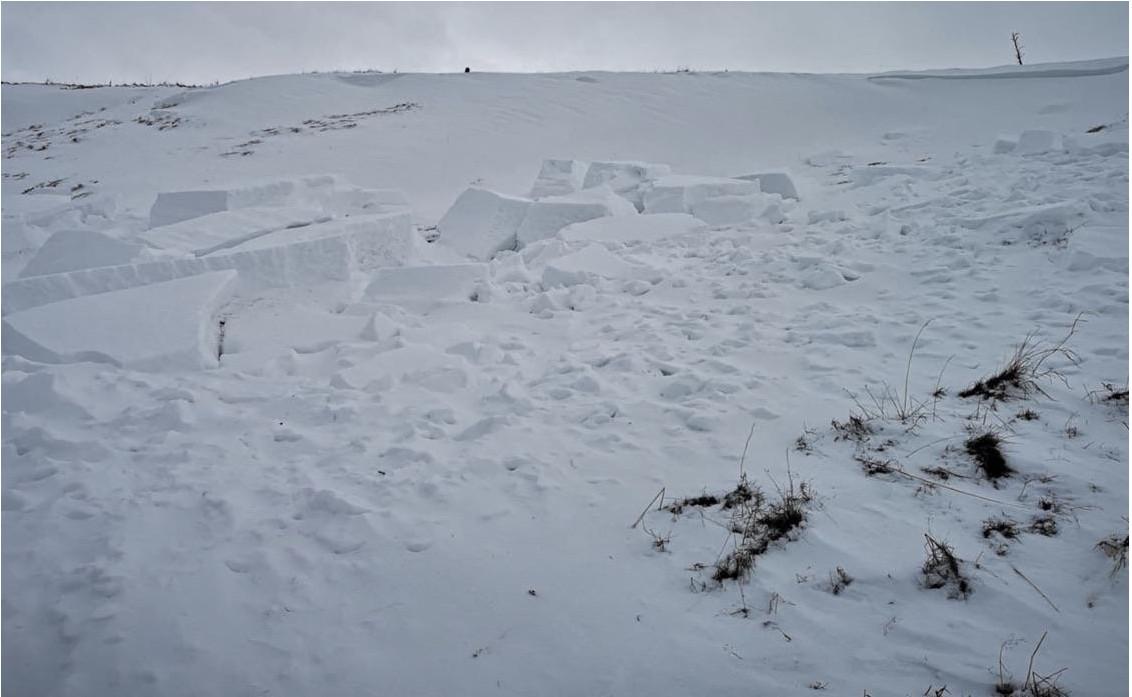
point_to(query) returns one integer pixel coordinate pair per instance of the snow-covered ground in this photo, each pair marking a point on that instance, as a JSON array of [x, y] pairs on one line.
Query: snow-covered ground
[[377, 405]]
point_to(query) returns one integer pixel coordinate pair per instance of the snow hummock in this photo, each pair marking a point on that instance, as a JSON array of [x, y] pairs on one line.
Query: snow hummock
[[163, 326]]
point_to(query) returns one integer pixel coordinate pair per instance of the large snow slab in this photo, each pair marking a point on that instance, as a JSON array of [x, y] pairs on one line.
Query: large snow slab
[[481, 223], [288, 258], [547, 216], [626, 179], [175, 206], [678, 193], [558, 178], [328, 193], [632, 228], [164, 326], [210, 233], [68, 250]]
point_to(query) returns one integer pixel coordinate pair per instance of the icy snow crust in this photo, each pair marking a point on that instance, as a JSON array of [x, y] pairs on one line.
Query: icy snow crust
[[395, 429]]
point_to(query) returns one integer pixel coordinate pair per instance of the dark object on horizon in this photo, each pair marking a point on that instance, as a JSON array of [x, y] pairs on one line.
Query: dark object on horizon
[[1014, 37], [467, 70]]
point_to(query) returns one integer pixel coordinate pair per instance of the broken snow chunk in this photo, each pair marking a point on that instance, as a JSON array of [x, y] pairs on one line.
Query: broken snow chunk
[[421, 287], [632, 229], [626, 179], [1036, 142], [587, 265], [68, 250], [547, 216], [679, 193], [163, 326], [558, 178], [773, 183], [481, 223]]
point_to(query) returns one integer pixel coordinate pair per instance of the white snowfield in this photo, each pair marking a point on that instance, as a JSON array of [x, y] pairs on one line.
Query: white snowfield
[[355, 384]]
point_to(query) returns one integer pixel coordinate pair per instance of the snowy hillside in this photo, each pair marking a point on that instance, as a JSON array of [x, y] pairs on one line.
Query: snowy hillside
[[588, 383]]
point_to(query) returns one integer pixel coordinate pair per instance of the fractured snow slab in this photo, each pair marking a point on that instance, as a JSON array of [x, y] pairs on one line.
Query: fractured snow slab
[[287, 258], [68, 250], [632, 228], [210, 233], [422, 286], [773, 183], [481, 223], [175, 206], [732, 210], [627, 179], [547, 216], [587, 265], [326, 193], [678, 193], [163, 326], [558, 178]]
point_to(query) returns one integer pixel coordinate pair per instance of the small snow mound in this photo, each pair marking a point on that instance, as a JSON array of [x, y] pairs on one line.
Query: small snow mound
[[547, 216], [164, 326], [481, 223], [558, 178]]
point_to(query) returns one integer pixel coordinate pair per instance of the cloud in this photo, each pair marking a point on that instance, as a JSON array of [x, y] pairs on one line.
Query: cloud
[[202, 42]]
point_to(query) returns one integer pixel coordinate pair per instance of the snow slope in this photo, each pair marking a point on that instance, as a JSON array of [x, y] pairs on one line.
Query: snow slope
[[417, 473]]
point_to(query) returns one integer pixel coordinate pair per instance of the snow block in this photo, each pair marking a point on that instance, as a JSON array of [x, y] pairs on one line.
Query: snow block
[[732, 210], [481, 223], [586, 266], [164, 326], [210, 233], [426, 284], [632, 229], [626, 179], [1004, 145], [1038, 141], [546, 217], [558, 178], [175, 206], [288, 258], [773, 183], [679, 193], [68, 250]]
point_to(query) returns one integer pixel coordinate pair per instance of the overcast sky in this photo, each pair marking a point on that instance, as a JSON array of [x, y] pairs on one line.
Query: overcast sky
[[203, 42]]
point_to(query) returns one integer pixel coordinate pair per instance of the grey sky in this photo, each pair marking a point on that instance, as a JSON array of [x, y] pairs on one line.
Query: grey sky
[[202, 42]]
